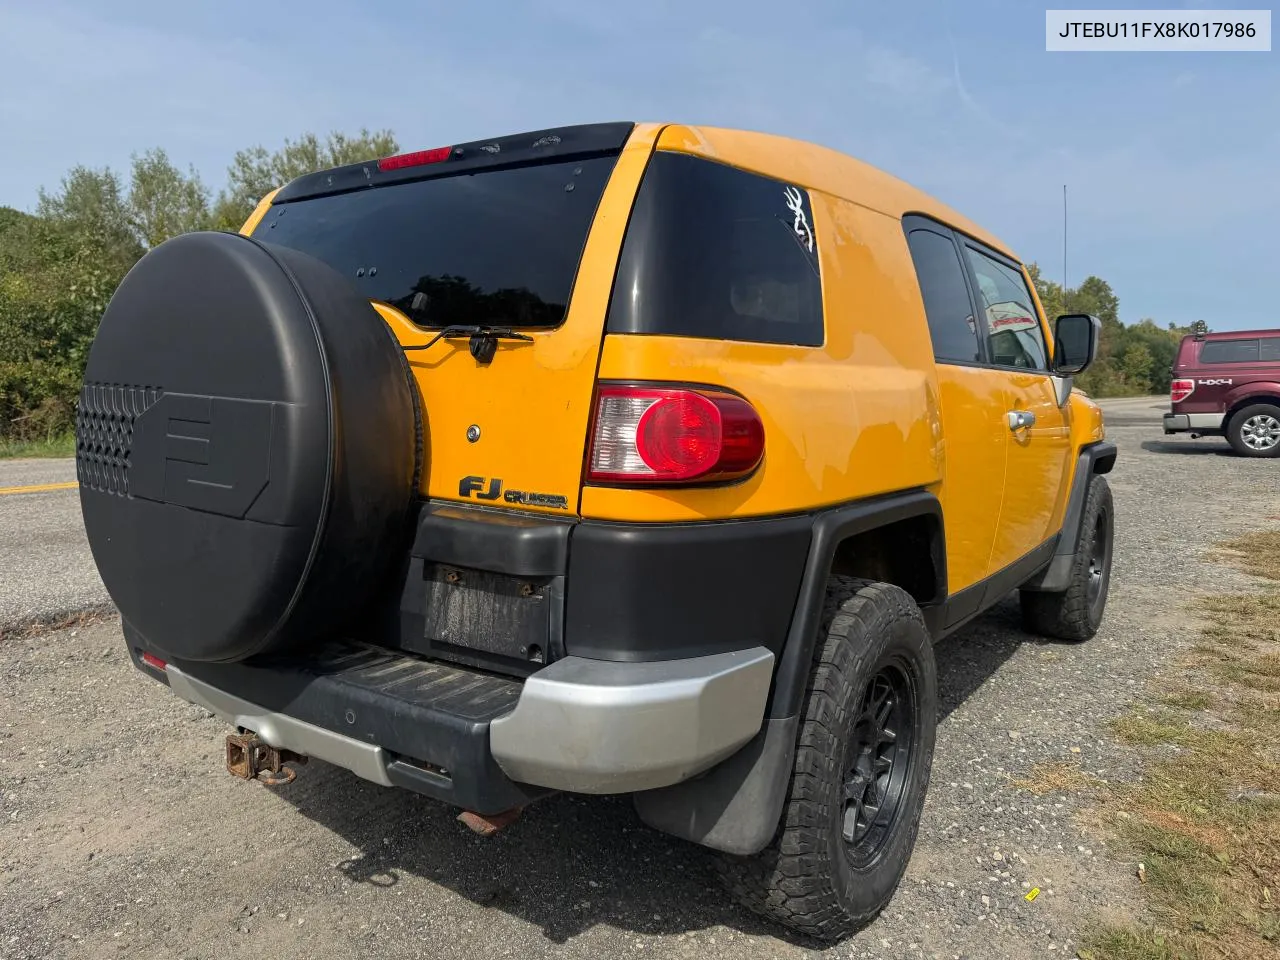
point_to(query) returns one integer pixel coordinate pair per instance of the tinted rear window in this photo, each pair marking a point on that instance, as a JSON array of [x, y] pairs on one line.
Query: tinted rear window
[[497, 247], [946, 296], [1229, 351], [716, 252]]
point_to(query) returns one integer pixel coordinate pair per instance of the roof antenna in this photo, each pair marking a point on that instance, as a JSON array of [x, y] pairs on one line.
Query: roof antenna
[[1064, 239]]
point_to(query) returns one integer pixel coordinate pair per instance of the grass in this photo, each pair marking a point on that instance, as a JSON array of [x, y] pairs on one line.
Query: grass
[[1187, 700], [1056, 778], [1117, 943], [58, 445], [1205, 819]]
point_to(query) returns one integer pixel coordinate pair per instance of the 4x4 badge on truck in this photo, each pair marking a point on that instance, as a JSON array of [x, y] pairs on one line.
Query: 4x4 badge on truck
[[492, 489]]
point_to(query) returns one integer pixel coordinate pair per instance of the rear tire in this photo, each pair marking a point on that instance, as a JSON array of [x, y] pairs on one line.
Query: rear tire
[[1254, 431], [861, 770], [1074, 614]]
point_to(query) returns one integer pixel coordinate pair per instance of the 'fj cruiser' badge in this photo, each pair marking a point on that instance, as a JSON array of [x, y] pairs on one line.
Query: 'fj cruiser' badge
[[491, 489]]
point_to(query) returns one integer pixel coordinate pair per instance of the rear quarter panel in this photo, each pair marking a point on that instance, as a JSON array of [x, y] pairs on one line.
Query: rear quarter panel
[[1248, 389], [852, 419]]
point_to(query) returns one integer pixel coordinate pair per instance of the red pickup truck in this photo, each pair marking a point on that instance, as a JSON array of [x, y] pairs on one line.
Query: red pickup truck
[[1228, 384]]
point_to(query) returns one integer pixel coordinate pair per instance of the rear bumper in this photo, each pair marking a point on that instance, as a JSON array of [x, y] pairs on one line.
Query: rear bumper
[[594, 726], [487, 743], [1187, 422], [365, 760]]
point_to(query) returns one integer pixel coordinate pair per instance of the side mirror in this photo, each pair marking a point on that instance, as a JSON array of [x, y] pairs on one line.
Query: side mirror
[[1075, 343]]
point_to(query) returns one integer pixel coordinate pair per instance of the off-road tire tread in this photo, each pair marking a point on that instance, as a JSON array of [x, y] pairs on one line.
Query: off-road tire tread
[[1064, 615], [788, 881]]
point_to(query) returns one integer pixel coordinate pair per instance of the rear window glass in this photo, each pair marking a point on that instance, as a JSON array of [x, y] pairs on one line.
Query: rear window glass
[[498, 247], [946, 296], [1229, 351], [719, 253]]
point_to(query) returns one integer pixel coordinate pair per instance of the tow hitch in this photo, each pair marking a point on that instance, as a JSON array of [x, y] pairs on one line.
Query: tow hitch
[[249, 757]]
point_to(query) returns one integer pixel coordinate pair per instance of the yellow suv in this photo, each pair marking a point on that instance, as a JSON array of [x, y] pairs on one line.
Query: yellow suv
[[619, 458]]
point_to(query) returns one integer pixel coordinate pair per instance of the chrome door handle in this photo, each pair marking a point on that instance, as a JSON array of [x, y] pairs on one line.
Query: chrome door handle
[[1018, 419]]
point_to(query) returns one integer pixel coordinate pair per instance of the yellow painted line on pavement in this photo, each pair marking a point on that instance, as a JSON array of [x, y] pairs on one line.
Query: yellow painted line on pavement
[[39, 488]]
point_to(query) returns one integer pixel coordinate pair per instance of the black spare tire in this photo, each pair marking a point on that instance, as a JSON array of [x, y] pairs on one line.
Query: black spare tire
[[246, 448]]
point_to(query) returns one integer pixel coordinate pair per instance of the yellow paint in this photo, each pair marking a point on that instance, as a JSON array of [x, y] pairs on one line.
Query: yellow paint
[[259, 212], [868, 412], [1041, 459], [821, 169], [533, 403], [1036, 467], [854, 418], [39, 488], [1032, 894], [977, 440]]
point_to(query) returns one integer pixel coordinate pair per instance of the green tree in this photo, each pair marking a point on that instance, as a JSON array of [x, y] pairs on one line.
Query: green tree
[[94, 206], [163, 201], [55, 281], [1161, 344], [255, 172], [1050, 293], [11, 219], [1131, 360], [1095, 297], [1136, 365], [59, 268]]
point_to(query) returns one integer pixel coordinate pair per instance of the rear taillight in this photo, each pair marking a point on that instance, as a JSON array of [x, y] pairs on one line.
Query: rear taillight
[[154, 662], [416, 159], [1179, 390], [645, 434]]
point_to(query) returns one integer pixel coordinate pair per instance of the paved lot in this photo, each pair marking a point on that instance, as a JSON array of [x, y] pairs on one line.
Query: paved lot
[[121, 835], [45, 566]]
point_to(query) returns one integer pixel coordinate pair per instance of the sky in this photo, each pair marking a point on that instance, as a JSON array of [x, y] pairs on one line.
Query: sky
[[1167, 157]]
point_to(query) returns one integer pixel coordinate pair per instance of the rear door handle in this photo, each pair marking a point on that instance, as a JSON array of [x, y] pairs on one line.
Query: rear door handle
[[1019, 419]]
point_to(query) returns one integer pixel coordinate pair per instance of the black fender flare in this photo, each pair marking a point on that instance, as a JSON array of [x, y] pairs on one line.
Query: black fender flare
[[735, 806], [830, 529], [1095, 458]]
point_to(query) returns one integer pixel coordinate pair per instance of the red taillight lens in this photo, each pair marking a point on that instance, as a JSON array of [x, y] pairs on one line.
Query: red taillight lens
[[416, 159], [672, 435], [1179, 390], [151, 660]]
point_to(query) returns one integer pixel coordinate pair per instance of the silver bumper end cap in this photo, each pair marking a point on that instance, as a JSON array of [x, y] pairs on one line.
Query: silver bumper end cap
[[595, 726]]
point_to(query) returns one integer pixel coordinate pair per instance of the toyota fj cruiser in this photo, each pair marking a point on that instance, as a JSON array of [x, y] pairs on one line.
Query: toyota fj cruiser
[[1228, 384], [640, 459]]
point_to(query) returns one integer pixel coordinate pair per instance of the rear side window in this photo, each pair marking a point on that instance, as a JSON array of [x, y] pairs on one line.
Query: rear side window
[[946, 298], [715, 252], [1014, 336], [496, 247], [1237, 351]]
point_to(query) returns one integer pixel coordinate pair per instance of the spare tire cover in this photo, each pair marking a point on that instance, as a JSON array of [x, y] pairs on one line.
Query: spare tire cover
[[246, 448]]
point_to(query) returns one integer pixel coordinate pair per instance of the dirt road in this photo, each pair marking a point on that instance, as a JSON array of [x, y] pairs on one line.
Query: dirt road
[[121, 834]]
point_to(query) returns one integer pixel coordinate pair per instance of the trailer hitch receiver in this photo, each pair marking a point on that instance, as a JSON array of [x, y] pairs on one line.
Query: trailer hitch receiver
[[249, 757]]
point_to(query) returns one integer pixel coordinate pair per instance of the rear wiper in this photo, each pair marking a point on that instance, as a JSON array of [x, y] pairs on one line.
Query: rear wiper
[[483, 339]]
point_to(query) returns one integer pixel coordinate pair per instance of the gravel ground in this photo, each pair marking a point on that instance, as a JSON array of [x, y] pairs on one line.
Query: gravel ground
[[44, 556], [121, 835]]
